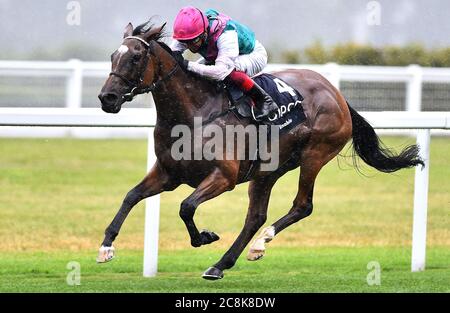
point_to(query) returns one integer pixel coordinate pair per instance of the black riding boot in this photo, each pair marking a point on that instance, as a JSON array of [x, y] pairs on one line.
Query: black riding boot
[[264, 104]]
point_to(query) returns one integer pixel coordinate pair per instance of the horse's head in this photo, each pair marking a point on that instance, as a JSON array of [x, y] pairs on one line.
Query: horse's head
[[133, 67]]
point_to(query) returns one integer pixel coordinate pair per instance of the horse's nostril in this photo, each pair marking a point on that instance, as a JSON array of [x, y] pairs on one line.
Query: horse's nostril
[[108, 97]]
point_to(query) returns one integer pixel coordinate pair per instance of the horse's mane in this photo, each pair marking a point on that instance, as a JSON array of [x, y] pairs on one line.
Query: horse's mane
[[148, 26], [158, 38]]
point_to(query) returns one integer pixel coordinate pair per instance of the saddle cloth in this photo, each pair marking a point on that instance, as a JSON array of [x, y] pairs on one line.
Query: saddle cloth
[[289, 101]]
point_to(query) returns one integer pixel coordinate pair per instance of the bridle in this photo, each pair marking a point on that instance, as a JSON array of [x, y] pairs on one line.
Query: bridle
[[137, 86]]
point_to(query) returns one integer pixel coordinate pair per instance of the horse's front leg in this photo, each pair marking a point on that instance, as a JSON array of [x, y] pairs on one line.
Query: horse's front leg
[[156, 181], [213, 185], [259, 194]]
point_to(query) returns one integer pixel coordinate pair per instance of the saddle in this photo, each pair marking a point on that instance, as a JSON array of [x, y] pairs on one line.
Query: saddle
[[289, 100], [239, 102]]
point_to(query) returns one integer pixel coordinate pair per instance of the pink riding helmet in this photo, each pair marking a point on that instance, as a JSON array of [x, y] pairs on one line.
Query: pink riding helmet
[[189, 23]]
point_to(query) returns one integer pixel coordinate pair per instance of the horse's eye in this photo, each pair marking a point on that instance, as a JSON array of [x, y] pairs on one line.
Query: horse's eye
[[136, 58]]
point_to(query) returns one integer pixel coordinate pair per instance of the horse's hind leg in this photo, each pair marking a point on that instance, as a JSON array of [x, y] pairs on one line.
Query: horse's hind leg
[[154, 183], [312, 162]]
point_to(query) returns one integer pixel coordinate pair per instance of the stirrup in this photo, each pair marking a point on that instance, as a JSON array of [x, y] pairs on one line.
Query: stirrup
[[253, 114], [266, 116]]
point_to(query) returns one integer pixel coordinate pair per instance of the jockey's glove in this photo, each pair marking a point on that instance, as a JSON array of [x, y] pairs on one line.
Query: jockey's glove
[[181, 61]]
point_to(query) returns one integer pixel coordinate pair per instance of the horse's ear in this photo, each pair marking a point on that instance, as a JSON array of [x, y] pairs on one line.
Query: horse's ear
[[128, 31], [154, 33]]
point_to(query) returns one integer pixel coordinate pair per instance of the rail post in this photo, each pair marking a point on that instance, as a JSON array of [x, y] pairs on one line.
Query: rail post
[[151, 230], [420, 204], [74, 89], [414, 89], [334, 75]]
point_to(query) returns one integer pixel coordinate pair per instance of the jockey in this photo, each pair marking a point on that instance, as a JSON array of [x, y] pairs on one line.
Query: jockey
[[229, 50]]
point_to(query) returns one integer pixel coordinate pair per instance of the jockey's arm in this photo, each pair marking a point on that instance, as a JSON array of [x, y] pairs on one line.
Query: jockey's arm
[[228, 51], [177, 46]]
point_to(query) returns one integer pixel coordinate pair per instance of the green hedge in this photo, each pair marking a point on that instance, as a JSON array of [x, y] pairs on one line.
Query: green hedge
[[359, 54]]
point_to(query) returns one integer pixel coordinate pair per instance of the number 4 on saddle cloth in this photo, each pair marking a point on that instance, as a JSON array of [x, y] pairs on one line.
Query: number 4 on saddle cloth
[[289, 101]]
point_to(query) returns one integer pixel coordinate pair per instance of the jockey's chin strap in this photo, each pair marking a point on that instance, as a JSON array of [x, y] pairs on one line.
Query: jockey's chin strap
[[137, 86]]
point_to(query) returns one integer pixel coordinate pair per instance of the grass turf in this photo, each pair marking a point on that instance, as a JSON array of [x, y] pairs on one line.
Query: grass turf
[[58, 195], [324, 269]]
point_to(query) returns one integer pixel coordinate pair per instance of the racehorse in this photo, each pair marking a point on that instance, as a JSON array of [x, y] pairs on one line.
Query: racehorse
[[143, 63]]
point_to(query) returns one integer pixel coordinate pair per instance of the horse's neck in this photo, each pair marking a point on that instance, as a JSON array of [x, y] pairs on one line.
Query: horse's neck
[[182, 97]]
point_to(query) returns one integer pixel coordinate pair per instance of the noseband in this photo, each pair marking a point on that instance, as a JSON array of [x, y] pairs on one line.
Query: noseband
[[137, 87]]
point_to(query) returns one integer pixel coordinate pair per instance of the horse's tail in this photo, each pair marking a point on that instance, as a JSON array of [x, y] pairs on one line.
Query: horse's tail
[[369, 147]]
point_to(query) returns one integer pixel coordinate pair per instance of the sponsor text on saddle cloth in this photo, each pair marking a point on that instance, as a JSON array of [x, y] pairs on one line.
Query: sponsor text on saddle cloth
[[289, 101]]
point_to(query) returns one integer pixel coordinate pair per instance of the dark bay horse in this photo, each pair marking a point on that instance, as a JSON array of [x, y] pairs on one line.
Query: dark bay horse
[[143, 63]]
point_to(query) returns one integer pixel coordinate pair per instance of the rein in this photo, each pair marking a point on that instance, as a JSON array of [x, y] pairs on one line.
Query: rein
[[136, 86]]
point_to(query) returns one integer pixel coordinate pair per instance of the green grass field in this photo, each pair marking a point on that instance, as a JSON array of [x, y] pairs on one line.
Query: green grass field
[[58, 195]]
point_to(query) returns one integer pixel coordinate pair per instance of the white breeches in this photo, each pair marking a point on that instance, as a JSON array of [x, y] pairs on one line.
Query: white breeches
[[254, 62]]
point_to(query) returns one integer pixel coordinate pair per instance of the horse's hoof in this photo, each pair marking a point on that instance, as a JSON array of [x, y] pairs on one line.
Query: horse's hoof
[[254, 255], [196, 243], [105, 254], [208, 237], [213, 273]]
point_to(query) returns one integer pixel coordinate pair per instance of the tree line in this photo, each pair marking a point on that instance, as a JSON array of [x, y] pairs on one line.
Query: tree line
[[362, 54]]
